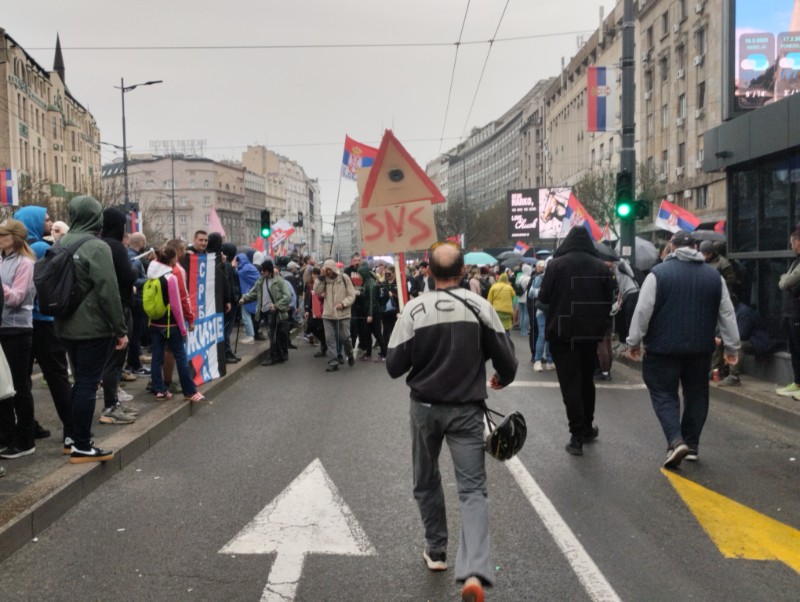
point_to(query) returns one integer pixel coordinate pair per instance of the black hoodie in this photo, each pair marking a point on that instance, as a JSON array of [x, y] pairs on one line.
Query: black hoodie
[[215, 246], [577, 287], [112, 233]]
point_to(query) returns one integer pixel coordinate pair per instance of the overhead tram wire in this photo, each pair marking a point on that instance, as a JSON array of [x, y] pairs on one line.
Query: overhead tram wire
[[453, 76], [485, 62], [316, 46]]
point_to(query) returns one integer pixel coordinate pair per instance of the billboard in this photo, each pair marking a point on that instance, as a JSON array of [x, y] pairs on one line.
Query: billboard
[[766, 47], [523, 213], [538, 214]]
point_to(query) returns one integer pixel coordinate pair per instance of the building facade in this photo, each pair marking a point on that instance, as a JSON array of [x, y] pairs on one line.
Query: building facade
[[46, 134]]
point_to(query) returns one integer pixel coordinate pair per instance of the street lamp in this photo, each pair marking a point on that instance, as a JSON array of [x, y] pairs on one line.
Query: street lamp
[[123, 88]]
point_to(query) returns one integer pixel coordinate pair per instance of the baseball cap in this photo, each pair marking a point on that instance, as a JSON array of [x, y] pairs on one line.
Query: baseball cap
[[682, 239], [13, 226]]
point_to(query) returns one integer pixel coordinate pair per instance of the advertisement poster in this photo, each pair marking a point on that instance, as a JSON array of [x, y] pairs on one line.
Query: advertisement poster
[[767, 52], [553, 204], [523, 214]]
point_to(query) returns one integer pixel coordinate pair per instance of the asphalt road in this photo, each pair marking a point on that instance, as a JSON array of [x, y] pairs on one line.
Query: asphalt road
[[605, 526]]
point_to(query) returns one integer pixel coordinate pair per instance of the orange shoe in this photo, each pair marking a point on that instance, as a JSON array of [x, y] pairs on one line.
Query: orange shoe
[[472, 590]]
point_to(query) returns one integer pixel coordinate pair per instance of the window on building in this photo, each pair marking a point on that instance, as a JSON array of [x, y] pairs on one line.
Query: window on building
[[650, 124], [648, 81], [682, 154], [682, 9], [55, 129], [594, 158], [72, 140], [184, 201], [701, 95], [207, 218], [701, 197], [206, 184], [206, 201], [649, 38], [682, 106], [664, 162], [700, 40], [663, 68], [680, 56], [664, 117], [183, 219], [665, 23]]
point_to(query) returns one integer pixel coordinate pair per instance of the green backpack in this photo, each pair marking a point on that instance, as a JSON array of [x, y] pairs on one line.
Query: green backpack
[[155, 299]]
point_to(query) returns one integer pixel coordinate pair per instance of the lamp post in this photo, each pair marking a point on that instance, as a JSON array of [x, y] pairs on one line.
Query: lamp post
[[123, 89]]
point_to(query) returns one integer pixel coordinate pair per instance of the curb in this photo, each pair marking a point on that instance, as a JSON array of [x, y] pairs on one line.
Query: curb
[[40, 504]]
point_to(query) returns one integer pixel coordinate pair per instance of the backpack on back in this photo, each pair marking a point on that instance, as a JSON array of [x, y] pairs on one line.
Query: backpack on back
[[155, 299], [54, 279], [486, 284]]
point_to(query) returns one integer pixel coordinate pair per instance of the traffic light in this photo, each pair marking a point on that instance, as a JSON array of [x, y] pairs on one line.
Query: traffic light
[[641, 209], [624, 203], [266, 225]]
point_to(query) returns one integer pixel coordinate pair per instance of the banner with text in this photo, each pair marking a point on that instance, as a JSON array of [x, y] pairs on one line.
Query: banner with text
[[205, 346], [523, 214]]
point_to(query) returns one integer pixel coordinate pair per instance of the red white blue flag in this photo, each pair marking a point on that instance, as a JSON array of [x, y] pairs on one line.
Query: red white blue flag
[[9, 193], [673, 218], [578, 216], [356, 156], [521, 248], [601, 83], [135, 225]]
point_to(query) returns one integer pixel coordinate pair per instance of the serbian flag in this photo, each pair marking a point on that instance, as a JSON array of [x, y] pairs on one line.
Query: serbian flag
[[578, 216], [135, 225], [356, 156], [601, 88], [9, 193], [673, 218], [521, 247], [720, 226]]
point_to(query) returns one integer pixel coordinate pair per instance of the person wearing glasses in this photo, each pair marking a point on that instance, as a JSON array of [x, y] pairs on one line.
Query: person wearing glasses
[[440, 337]]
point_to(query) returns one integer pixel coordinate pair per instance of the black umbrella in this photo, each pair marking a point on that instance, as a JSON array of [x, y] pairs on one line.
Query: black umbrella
[[707, 235], [605, 252], [509, 255]]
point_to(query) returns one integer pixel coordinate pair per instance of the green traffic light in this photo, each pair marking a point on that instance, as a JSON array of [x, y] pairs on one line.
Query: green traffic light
[[265, 232], [624, 209]]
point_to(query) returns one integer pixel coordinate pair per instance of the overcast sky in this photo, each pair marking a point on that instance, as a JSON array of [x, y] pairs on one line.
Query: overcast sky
[[300, 100]]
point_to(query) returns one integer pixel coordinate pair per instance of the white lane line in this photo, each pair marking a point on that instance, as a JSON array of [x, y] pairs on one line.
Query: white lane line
[[593, 581], [552, 385]]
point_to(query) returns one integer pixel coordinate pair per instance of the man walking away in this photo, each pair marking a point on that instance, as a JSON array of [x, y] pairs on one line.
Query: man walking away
[[681, 303], [444, 338], [577, 289]]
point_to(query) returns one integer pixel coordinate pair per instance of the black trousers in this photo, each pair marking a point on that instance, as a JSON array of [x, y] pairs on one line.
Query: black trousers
[[278, 333], [16, 413], [575, 362], [51, 355]]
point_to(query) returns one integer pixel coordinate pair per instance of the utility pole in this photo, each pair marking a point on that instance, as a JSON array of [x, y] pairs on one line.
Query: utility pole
[[627, 160]]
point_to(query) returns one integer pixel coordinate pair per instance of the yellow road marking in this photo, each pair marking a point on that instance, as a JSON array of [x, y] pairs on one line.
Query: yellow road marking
[[738, 531]]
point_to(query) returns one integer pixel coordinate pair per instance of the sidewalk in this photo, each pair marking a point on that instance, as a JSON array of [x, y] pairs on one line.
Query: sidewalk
[[40, 488]]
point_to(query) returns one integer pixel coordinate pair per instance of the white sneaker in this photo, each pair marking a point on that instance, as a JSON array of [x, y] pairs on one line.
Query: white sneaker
[[247, 341], [537, 367], [550, 366], [122, 396]]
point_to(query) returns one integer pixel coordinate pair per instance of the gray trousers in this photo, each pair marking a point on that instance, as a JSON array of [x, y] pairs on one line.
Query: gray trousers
[[337, 333], [462, 426]]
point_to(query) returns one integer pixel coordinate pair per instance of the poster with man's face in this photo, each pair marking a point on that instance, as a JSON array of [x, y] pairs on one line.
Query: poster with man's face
[[552, 210]]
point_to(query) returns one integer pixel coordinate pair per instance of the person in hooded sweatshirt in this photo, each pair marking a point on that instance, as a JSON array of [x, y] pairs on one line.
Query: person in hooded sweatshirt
[[48, 351], [228, 256], [681, 303], [113, 231], [215, 246], [170, 331], [248, 275], [578, 290], [94, 330]]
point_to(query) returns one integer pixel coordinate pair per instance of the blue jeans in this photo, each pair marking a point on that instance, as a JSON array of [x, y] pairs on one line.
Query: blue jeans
[[247, 320], [160, 341], [523, 319], [662, 374], [542, 346], [88, 357]]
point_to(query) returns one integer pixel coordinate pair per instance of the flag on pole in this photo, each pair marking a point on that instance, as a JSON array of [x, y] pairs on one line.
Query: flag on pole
[[601, 84], [578, 216], [720, 226], [258, 244], [135, 225], [9, 192], [214, 223], [521, 247], [673, 218], [356, 156]]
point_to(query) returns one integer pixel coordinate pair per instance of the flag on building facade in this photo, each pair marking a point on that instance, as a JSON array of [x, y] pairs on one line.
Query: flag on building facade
[[356, 156], [578, 216], [135, 225], [521, 248], [673, 218], [601, 88], [214, 223], [9, 192]]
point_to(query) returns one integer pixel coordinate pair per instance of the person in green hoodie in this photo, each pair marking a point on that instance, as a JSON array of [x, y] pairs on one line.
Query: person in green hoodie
[[371, 302], [95, 329], [272, 296]]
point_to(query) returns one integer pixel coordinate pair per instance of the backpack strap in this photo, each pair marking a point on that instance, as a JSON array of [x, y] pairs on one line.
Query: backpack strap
[[75, 245]]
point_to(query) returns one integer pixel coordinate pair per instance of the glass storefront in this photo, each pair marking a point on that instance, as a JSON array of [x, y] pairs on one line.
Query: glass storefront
[[764, 207]]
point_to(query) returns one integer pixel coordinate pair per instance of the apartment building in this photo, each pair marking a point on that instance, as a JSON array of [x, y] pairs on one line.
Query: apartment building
[[46, 134]]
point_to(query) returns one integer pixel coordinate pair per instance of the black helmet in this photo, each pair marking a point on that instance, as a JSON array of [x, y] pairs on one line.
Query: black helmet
[[507, 438]]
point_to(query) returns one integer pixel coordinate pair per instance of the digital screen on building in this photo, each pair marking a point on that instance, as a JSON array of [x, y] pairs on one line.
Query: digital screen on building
[[767, 52], [538, 214]]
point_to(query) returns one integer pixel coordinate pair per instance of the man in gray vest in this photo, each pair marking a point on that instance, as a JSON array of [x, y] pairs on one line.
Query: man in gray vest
[[681, 303]]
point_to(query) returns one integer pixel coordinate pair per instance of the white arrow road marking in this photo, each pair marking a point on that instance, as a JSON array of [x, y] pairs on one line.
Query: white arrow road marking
[[552, 385], [593, 581], [308, 517]]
